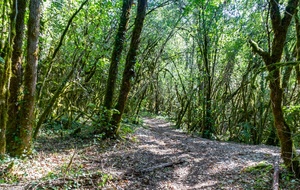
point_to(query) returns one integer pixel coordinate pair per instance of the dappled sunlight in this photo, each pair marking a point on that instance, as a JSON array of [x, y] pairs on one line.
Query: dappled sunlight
[[159, 158], [267, 152], [42, 165], [149, 94]]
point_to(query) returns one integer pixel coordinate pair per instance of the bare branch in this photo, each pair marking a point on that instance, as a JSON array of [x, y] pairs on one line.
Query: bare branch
[[289, 12], [159, 6]]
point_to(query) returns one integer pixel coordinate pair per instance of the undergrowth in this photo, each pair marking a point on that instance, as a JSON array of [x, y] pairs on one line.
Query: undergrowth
[[263, 177]]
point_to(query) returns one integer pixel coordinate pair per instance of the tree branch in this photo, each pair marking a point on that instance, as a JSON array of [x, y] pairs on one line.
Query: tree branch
[[67, 28], [159, 6], [265, 55], [289, 12], [275, 185]]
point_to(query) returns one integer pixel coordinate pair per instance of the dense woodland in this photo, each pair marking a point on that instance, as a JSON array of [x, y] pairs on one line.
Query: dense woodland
[[224, 70]]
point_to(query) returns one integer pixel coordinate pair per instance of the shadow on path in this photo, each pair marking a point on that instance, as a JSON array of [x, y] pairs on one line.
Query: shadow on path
[[174, 160]]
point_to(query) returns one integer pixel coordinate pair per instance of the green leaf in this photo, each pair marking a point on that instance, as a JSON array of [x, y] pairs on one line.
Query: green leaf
[[2, 60]]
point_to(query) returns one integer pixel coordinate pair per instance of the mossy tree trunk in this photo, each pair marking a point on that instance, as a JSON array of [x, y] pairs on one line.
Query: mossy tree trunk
[[4, 78], [280, 27], [208, 124], [297, 22], [129, 67], [16, 106], [5, 70], [27, 119], [15, 79], [116, 54]]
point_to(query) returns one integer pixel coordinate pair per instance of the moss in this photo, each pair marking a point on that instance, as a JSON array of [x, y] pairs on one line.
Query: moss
[[261, 166]]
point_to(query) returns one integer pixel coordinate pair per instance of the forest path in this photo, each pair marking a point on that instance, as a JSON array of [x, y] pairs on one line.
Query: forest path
[[166, 158], [156, 156]]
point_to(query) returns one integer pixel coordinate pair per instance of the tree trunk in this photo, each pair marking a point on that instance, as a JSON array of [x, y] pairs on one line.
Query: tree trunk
[[208, 124], [4, 82], [297, 68], [283, 130], [129, 67], [204, 46], [27, 119], [4, 76], [116, 55], [16, 79], [280, 27]]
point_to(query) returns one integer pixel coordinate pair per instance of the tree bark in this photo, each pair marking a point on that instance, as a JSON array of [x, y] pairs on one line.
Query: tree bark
[[4, 76], [280, 27], [129, 67], [116, 55], [16, 78], [27, 119], [297, 68], [208, 125], [5, 73]]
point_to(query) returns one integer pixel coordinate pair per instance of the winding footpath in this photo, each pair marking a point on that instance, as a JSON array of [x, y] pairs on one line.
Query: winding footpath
[[166, 158], [155, 157]]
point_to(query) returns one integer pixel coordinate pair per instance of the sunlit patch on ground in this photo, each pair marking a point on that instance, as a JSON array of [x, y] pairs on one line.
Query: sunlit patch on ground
[[154, 157]]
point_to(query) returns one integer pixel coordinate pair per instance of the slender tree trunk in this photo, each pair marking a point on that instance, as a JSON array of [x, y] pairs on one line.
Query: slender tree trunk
[[297, 68], [280, 27], [157, 95], [116, 55], [288, 152], [5, 73], [51, 102], [298, 73], [16, 79], [204, 46], [207, 127], [56, 50], [4, 78], [27, 119], [287, 73], [129, 66]]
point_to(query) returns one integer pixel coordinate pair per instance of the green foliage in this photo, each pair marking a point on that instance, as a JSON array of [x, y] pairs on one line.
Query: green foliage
[[261, 167], [184, 44], [104, 179], [77, 177], [2, 61], [7, 167], [101, 122], [287, 180], [61, 126], [245, 135], [292, 115], [126, 129], [50, 176], [263, 174], [292, 109]]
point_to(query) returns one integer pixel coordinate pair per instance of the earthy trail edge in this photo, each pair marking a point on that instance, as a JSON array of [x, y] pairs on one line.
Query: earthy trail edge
[[155, 157]]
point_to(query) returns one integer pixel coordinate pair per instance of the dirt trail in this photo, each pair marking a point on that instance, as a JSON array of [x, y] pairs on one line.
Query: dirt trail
[[165, 158], [155, 157]]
